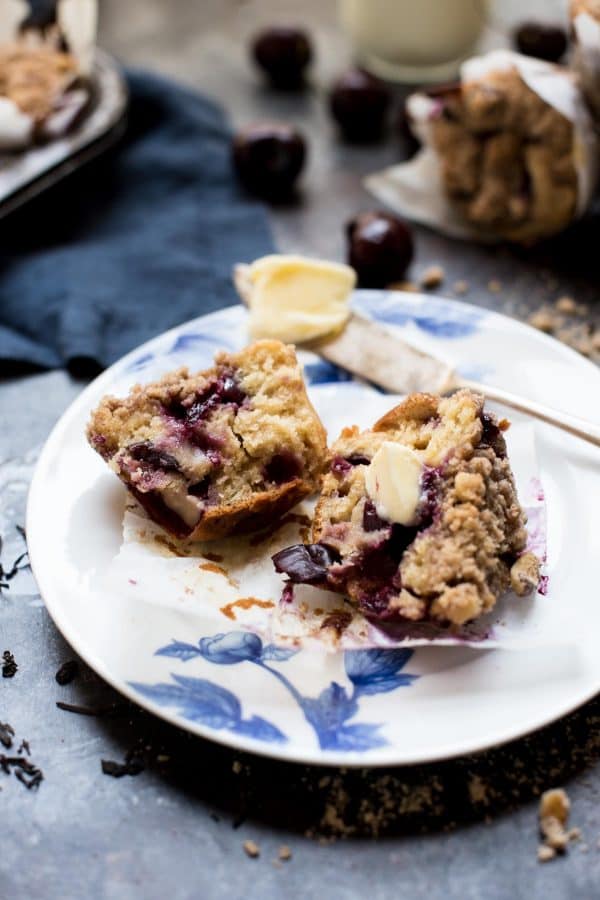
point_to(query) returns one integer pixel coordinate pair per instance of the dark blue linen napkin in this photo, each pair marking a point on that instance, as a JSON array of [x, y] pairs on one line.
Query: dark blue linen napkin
[[138, 241]]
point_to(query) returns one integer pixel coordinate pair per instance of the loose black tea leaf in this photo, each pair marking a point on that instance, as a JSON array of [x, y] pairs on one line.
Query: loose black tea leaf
[[133, 765], [9, 666], [112, 709], [30, 780], [6, 575], [24, 747], [7, 733], [25, 771], [67, 672]]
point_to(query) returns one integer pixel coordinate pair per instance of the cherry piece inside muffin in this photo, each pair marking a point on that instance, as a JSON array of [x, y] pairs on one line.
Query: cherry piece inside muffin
[[418, 519], [220, 451]]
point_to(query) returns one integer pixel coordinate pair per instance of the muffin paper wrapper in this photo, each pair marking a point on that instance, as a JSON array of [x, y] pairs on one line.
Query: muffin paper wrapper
[[232, 585], [415, 188], [586, 61]]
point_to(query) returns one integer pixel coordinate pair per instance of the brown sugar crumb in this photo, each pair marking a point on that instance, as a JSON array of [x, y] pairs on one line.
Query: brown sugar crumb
[[478, 792], [525, 574], [432, 277], [545, 853], [554, 815], [494, 286], [566, 305], [284, 853], [563, 321], [251, 849], [544, 320], [461, 287], [409, 286]]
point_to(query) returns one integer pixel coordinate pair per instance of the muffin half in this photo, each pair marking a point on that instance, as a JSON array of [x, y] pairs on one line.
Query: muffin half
[[219, 452], [418, 518]]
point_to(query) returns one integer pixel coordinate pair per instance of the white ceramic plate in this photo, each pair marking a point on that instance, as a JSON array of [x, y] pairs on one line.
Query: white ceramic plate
[[358, 707]]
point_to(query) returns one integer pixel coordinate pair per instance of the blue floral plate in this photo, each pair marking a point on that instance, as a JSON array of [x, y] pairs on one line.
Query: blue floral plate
[[357, 706]]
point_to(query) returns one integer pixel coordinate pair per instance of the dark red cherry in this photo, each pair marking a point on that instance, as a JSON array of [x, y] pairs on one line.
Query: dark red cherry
[[268, 157], [380, 248], [283, 54], [359, 103], [547, 42]]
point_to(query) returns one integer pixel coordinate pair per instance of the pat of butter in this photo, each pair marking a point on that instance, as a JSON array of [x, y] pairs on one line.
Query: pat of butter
[[393, 482], [295, 299]]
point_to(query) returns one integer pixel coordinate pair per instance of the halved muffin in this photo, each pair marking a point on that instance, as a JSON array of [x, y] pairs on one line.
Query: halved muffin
[[222, 451], [418, 518]]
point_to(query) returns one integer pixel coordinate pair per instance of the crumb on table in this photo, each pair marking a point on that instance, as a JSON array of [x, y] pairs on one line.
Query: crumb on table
[[251, 849], [554, 810], [432, 277]]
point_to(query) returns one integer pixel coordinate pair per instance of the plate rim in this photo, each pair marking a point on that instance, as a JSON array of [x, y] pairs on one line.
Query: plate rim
[[386, 756]]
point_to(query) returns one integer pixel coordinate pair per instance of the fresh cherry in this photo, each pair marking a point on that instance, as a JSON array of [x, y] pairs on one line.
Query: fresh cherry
[[380, 248], [359, 103], [304, 563], [283, 53], [547, 42], [268, 157]]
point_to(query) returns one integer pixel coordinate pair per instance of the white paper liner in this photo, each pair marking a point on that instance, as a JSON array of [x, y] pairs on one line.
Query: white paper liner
[[586, 59], [207, 581], [415, 188]]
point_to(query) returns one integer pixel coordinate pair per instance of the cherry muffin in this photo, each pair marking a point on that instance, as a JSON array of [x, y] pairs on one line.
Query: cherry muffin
[[418, 518], [218, 452], [508, 158]]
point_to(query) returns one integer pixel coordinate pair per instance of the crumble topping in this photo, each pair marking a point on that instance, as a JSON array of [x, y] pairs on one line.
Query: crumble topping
[[507, 157]]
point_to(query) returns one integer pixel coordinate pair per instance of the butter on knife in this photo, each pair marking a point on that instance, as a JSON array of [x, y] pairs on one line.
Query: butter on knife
[[295, 299], [306, 301]]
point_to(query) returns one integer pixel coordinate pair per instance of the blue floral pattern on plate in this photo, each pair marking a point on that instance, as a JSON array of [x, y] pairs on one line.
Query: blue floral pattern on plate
[[329, 714], [335, 714], [436, 317]]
